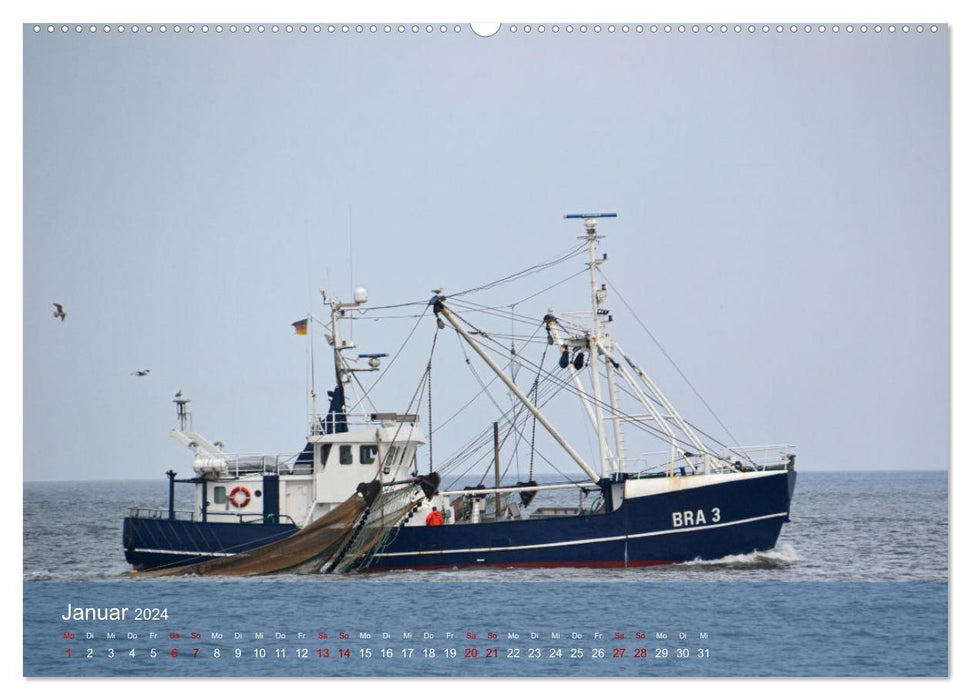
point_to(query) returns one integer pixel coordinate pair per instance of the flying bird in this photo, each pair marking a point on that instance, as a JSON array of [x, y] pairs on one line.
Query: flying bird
[[59, 311], [141, 373]]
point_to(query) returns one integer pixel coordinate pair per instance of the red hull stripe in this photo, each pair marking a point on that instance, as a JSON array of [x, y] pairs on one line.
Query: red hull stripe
[[527, 565]]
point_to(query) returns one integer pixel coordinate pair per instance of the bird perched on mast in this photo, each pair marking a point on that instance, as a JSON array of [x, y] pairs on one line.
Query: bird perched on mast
[[59, 311]]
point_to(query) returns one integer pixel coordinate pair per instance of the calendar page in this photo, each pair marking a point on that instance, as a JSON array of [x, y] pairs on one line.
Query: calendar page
[[528, 349]]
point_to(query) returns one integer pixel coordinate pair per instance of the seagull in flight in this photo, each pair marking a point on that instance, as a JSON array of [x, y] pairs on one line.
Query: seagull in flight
[[141, 373], [59, 311]]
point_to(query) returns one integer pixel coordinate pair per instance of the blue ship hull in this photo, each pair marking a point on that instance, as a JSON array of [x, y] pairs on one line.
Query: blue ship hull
[[158, 543], [641, 532], [706, 522]]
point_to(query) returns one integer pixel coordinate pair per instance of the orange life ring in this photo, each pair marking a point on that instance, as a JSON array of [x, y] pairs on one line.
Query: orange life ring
[[244, 500]]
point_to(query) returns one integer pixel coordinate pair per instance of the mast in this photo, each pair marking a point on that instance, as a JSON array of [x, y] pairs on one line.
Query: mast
[[550, 321], [597, 294], [337, 412], [336, 312]]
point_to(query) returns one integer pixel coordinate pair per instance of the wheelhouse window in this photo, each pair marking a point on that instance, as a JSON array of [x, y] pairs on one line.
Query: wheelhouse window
[[219, 494], [347, 454], [369, 453], [392, 454]]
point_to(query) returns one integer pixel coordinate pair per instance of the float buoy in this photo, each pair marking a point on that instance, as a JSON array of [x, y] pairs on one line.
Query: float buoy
[[239, 496]]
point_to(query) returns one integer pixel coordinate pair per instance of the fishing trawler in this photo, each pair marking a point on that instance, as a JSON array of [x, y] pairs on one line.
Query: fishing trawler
[[356, 498]]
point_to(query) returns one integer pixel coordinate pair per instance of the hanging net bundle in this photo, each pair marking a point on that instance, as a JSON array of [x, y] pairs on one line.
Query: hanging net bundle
[[375, 532]]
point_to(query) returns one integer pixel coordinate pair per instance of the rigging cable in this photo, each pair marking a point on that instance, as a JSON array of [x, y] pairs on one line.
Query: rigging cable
[[477, 443], [394, 356], [671, 360], [496, 310], [518, 410], [515, 409], [480, 442], [563, 257], [532, 439], [415, 400], [539, 267], [624, 390], [428, 374], [567, 386]]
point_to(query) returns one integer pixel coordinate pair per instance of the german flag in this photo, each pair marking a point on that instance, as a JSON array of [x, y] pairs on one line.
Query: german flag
[[300, 327]]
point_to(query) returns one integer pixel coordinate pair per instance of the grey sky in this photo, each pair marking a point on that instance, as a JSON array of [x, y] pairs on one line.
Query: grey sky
[[782, 229]]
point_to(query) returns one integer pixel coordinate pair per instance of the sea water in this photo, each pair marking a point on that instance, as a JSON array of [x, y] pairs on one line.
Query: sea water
[[857, 586]]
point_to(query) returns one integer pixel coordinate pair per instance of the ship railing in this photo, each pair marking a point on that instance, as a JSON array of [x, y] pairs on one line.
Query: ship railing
[[488, 491], [659, 463], [728, 459], [764, 456], [249, 518], [156, 513]]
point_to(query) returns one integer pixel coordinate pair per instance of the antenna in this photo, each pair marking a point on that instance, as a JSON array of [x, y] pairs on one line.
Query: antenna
[[350, 244], [313, 370], [180, 412], [350, 255]]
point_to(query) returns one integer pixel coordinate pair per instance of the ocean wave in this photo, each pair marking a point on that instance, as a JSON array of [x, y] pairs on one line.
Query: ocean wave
[[778, 558]]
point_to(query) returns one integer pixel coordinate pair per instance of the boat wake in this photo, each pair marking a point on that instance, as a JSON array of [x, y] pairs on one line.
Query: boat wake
[[779, 557], [62, 575]]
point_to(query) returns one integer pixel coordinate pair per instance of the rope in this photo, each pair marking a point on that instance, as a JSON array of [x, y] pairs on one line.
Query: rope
[[674, 364]]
